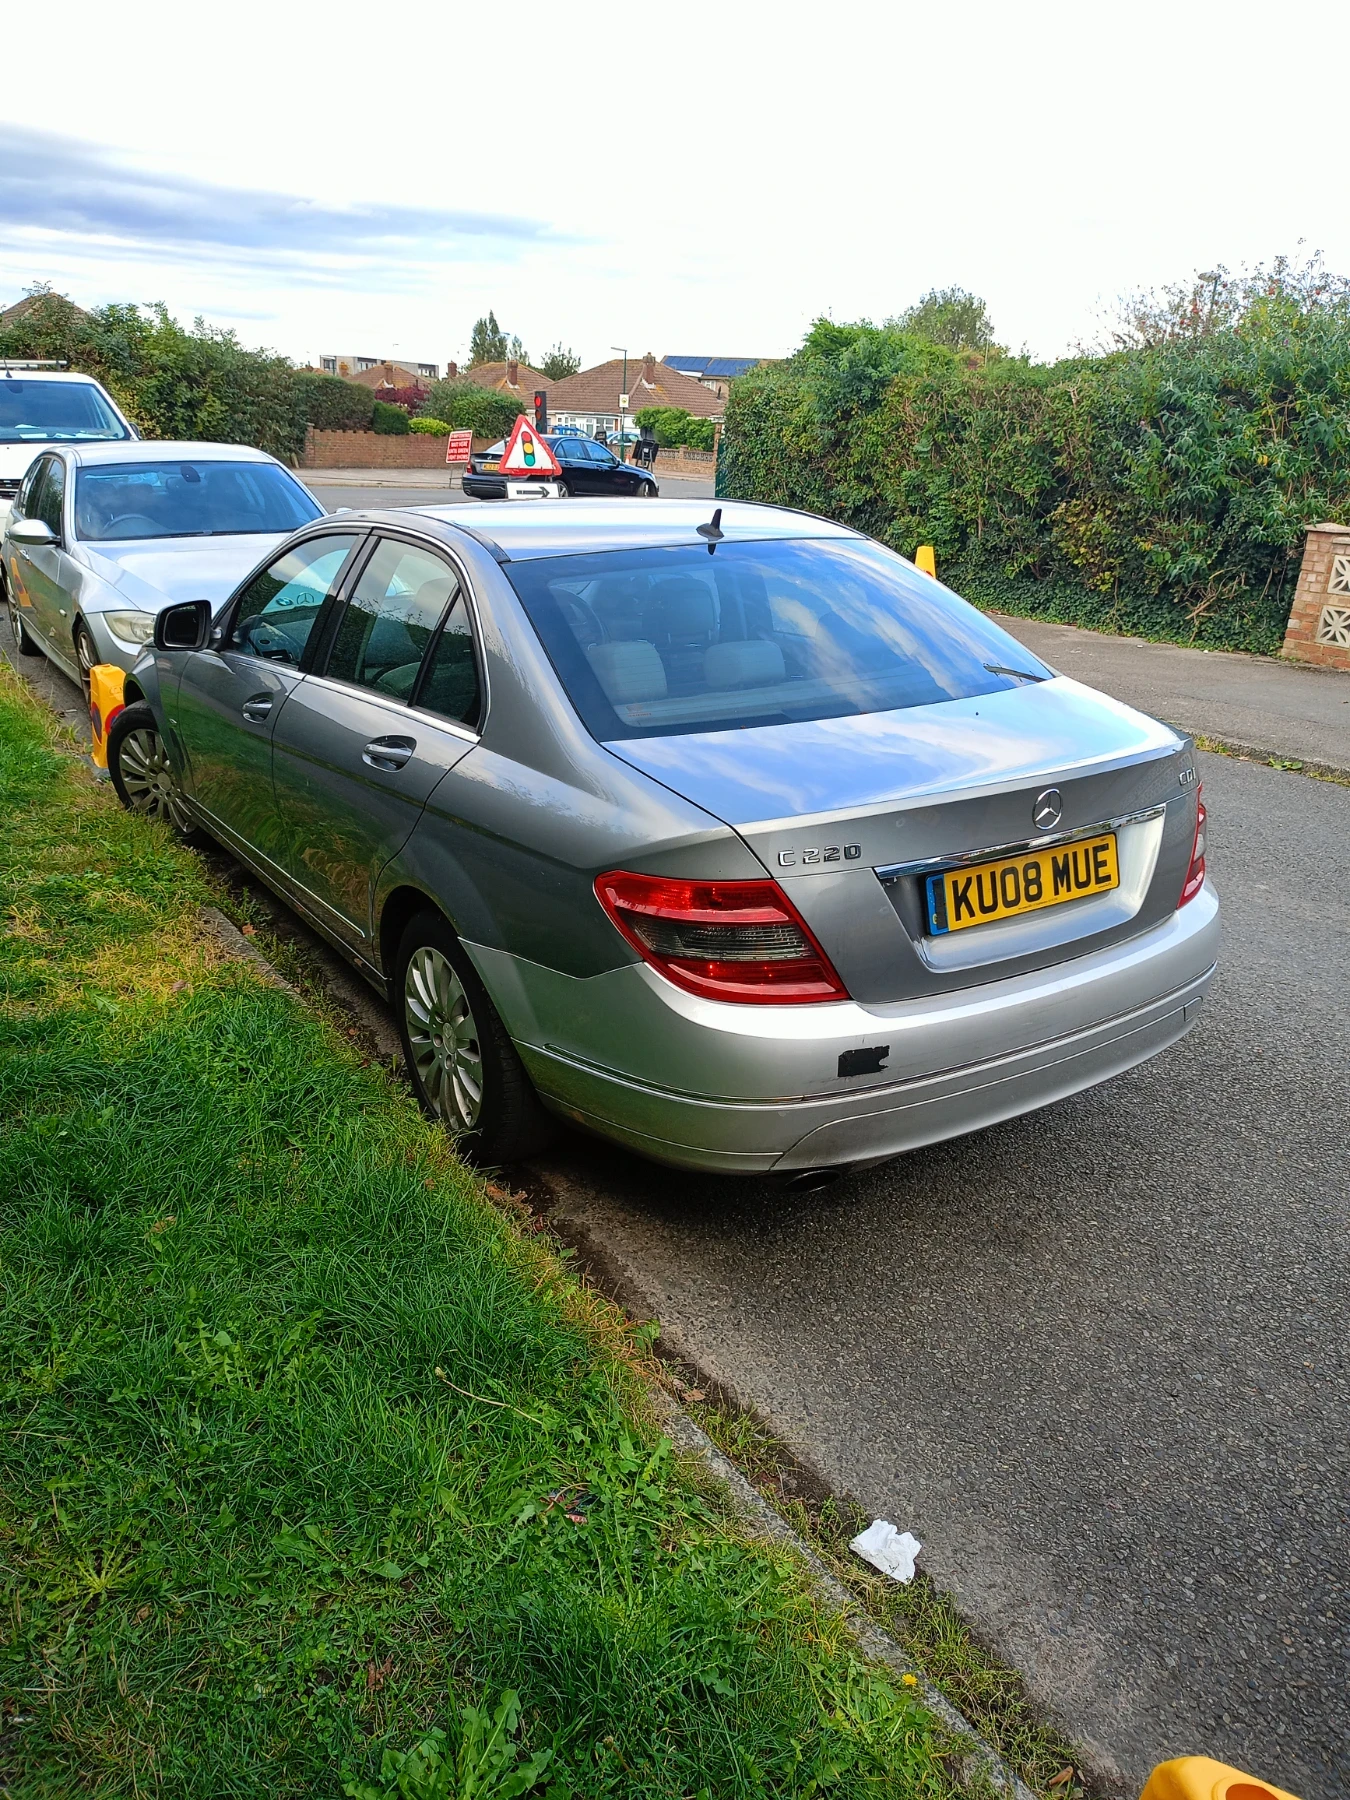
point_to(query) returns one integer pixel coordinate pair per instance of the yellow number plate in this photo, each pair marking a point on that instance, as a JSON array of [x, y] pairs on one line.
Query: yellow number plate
[[977, 895]]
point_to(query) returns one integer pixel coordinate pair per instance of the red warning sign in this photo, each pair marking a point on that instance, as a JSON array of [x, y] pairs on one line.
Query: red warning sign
[[526, 453], [459, 447]]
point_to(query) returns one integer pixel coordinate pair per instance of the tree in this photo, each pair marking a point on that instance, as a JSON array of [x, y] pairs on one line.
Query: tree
[[560, 363], [1215, 300], [951, 317], [516, 351], [488, 342]]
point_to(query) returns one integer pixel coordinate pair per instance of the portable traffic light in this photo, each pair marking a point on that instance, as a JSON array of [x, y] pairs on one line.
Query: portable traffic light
[[541, 410]]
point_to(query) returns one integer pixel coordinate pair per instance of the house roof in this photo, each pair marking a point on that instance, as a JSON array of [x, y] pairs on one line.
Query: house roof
[[727, 367], [387, 374], [30, 302], [650, 383], [497, 375]]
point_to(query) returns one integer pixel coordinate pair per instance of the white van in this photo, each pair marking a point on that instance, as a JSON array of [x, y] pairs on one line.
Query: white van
[[42, 404]]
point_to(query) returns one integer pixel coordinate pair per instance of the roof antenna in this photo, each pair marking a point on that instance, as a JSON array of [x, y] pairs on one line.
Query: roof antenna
[[712, 531]]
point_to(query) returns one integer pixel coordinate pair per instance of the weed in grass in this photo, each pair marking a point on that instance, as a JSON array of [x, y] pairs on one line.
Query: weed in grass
[[249, 1539]]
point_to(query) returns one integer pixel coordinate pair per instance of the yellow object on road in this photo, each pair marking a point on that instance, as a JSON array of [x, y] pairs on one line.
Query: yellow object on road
[[106, 685], [1201, 1778], [925, 558]]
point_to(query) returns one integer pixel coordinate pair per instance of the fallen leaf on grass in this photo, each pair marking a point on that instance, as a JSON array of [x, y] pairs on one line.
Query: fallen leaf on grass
[[249, 930], [378, 1673], [1059, 1780]]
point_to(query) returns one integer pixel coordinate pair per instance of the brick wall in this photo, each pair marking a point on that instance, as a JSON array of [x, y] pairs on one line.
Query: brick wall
[[685, 462], [1319, 621], [371, 450]]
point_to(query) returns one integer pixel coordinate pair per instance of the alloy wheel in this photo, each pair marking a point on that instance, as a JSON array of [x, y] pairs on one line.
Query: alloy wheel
[[148, 778], [443, 1038]]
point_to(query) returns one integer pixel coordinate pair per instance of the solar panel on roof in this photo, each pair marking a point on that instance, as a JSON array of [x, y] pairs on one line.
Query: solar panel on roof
[[728, 367]]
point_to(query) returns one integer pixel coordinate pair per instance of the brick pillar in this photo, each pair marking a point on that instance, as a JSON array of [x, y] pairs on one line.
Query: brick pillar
[[1319, 621]]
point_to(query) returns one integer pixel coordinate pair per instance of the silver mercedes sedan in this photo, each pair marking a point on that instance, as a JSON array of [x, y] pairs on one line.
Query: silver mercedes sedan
[[721, 831], [102, 535]]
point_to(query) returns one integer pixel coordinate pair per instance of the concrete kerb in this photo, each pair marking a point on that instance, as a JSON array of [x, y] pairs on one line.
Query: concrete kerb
[[761, 1520], [1293, 765]]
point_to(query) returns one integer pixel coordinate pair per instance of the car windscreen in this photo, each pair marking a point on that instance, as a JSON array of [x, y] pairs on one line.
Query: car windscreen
[[655, 642], [188, 499], [44, 412]]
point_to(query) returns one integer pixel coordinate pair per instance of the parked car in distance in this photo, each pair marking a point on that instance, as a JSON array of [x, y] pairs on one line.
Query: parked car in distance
[[41, 406], [734, 839], [589, 470], [102, 536]]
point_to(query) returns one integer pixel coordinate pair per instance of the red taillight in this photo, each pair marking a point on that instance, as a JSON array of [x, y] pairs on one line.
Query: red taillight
[[1195, 875], [726, 940]]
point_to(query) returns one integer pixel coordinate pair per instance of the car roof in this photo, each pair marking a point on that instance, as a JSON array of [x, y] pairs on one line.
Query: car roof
[[519, 531], [139, 450], [13, 367]]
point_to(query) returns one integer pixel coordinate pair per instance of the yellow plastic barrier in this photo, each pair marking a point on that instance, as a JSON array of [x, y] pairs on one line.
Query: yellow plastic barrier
[[925, 558], [106, 685], [1201, 1778]]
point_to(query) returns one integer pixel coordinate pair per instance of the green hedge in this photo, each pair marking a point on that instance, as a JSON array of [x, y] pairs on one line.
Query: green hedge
[[389, 421], [673, 426], [198, 384], [466, 406], [331, 404], [430, 427], [1162, 492]]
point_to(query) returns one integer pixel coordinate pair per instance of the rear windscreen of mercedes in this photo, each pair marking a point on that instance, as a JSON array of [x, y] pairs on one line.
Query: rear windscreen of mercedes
[[656, 642]]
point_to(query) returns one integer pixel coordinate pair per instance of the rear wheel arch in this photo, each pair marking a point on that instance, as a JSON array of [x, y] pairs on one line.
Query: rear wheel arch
[[401, 905]]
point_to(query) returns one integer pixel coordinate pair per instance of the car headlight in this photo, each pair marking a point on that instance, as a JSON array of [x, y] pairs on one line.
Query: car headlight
[[131, 627]]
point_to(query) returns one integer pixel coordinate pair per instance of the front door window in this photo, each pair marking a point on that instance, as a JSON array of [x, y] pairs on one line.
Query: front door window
[[277, 610]]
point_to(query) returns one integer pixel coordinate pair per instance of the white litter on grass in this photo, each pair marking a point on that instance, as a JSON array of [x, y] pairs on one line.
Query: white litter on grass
[[887, 1549]]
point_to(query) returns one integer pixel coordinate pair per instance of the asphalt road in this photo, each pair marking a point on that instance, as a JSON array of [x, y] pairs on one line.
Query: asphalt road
[[333, 495], [1096, 1359]]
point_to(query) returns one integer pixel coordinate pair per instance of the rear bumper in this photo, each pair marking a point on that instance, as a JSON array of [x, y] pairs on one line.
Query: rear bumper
[[709, 1086], [484, 487]]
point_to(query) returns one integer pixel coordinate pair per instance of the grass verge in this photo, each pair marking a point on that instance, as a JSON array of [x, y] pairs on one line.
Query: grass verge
[[319, 1474]]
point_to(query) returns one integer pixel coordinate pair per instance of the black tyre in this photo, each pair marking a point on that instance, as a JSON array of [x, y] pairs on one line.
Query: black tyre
[[143, 773], [564, 492], [85, 654], [26, 645], [460, 1058], [648, 491]]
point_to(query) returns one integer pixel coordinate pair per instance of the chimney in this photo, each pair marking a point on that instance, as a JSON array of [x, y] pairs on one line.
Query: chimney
[[451, 371], [513, 373], [649, 369]]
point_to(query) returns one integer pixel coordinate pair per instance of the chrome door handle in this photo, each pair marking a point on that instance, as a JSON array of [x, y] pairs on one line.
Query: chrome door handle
[[388, 753], [257, 709]]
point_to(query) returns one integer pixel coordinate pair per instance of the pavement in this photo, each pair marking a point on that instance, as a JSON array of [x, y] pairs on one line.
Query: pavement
[[1098, 1358]]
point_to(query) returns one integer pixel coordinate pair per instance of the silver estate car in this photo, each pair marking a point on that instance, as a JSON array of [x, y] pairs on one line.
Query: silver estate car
[[723, 832], [102, 535]]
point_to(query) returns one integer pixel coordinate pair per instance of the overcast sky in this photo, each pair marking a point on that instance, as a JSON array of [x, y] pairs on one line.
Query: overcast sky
[[698, 178]]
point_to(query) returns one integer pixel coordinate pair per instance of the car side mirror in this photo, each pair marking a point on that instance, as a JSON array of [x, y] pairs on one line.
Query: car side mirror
[[31, 531], [183, 627]]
